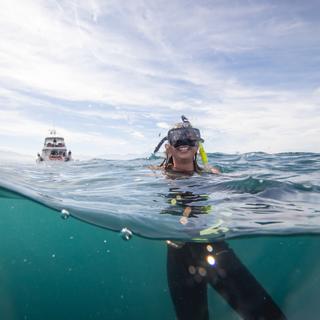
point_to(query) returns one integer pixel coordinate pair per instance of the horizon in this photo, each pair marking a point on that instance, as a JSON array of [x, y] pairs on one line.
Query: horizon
[[8, 155], [113, 78]]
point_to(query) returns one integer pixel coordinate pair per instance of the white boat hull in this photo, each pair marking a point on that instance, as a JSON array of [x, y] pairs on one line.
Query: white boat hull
[[54, 149]]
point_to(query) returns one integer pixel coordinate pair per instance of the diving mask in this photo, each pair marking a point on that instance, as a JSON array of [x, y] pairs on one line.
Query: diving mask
[[184, 136], [185, 142]]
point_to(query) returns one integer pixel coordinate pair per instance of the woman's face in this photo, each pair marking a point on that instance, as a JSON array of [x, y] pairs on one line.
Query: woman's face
[[182, 153]]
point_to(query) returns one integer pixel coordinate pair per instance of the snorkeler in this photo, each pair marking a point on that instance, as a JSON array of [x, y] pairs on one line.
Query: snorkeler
[[39, 158], [191, 266], [69, 157]]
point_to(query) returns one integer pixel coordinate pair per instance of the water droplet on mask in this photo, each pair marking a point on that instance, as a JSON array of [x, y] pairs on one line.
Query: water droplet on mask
[[126, 234], [65, 214]]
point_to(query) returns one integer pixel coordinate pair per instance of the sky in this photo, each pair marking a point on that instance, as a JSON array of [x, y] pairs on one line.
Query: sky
[[113, 76]]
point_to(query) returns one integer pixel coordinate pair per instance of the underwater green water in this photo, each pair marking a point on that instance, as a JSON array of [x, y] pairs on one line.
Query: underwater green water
[[52, 268]]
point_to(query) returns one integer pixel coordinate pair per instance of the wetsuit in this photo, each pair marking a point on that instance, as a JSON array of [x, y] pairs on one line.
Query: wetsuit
[[189, 272]]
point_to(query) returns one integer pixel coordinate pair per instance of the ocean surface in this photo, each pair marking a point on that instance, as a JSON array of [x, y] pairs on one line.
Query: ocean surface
[[85, 239]]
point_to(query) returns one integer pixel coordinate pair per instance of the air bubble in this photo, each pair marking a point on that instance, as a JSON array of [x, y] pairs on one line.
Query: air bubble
[[65, 214], [126, 234]]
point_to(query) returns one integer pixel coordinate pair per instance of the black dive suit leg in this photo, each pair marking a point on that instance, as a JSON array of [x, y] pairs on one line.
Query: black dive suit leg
[[187, 288], [188, 275]]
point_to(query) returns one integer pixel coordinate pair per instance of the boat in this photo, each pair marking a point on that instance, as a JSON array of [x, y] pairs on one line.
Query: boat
[[54, 149]]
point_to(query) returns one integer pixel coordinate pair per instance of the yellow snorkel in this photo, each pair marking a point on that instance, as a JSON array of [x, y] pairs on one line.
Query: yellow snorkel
[[203, 155]]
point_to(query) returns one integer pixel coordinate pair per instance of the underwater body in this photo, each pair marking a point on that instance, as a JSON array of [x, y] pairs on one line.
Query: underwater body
[[85, 239]]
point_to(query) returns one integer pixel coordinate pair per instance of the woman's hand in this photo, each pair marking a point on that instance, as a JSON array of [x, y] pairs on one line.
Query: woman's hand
[[215, 171], [211, 169]]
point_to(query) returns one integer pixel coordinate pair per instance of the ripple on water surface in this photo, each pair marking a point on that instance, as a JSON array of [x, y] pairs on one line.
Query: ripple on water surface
[[257, 193]]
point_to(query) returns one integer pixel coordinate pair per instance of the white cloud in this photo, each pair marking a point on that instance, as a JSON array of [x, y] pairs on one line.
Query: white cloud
[[163, 125], [137, 134], [141, 65]]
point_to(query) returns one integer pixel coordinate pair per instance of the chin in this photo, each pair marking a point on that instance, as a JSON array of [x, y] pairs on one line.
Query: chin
[[185, 156]]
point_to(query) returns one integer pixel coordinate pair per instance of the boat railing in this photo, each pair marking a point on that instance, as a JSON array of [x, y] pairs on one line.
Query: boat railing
[[59, 145]]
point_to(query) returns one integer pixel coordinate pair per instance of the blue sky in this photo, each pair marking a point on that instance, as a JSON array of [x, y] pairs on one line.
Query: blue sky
[[111, 76]]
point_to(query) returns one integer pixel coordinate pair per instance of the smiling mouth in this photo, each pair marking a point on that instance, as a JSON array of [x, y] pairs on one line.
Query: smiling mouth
[[183, 148]]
